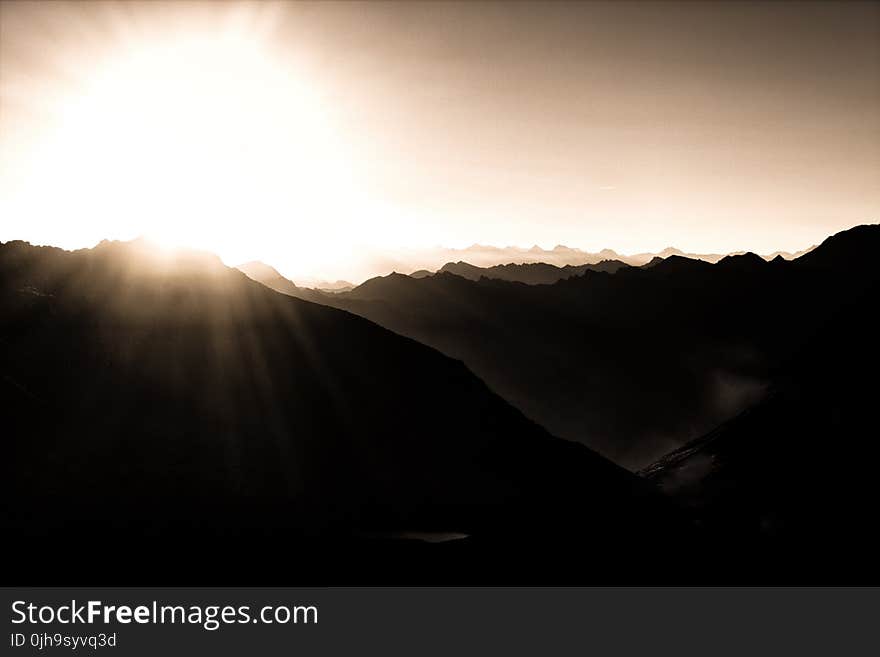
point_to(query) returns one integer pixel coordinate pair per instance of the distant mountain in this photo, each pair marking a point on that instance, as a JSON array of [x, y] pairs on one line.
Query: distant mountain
[[785, 255], [325, 286], [488, 256], [640, 259], [368, 263], [636, 363], [531, 273], [484, 256], [680, 264], [269, 276], [430, 260], [195, 420]]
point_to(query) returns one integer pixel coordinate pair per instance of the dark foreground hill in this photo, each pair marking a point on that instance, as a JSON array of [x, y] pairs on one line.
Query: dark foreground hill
[[638, 362], [798, 471], [166, 418]]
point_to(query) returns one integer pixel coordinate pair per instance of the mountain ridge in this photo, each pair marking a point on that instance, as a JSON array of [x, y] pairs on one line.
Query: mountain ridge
[[541, 348]]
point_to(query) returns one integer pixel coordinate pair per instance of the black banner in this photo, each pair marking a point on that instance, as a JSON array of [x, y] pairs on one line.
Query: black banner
[[416, 621]]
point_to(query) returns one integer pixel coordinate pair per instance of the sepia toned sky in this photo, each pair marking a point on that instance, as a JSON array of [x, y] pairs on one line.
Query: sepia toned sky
[[309, 135]]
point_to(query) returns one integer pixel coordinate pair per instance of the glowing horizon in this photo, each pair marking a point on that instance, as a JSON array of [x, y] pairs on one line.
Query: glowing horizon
[[317, 138]]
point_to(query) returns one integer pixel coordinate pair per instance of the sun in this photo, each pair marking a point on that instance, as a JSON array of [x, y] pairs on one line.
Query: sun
[[208, 140]]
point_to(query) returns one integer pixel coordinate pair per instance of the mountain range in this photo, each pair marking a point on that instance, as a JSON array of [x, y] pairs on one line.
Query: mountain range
[[165, 414], [633, 364], [369, 262], [536, 273], [770, 367]]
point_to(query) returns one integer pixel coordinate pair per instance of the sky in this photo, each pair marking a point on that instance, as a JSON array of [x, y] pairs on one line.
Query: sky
[[314, 136]]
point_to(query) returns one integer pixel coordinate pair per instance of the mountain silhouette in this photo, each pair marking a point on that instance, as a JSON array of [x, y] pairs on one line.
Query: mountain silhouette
[[746, 262], [538, 273], [850, 250], [270, 277], [636, 363], [168, 410], [488, 256]]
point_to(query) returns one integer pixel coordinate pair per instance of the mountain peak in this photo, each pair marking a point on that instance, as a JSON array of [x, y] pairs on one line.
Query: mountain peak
[[676, 263], [745, 261]]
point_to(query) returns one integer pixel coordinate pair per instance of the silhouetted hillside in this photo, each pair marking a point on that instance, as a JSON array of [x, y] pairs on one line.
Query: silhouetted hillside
[[850, 250], [155, 405], [636, 363]]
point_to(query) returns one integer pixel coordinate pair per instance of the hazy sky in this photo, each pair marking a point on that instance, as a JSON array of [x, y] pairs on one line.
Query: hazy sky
[[308, 134]]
